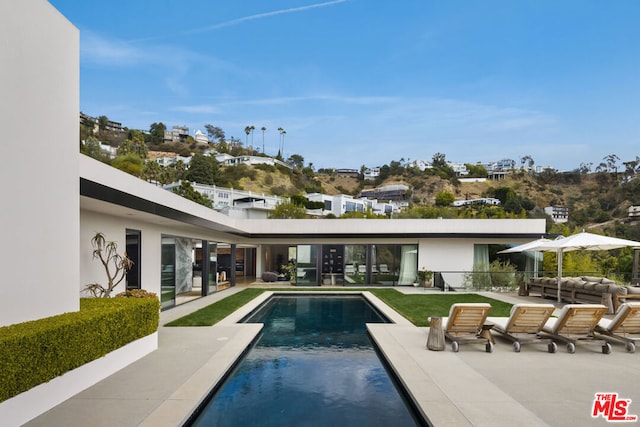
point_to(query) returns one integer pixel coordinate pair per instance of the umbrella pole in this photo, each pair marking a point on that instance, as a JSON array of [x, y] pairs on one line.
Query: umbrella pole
[[559, 274]]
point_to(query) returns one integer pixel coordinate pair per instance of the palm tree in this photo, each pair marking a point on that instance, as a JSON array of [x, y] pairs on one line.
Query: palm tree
[[263, 129], [280, 130], [252, 128], [282, 134], [247, 130]]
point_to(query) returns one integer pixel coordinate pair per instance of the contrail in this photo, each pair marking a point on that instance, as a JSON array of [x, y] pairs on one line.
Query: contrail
[[243, 19], [264, 15]]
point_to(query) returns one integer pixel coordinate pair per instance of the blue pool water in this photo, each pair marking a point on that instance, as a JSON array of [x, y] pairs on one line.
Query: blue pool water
[[314, 365]]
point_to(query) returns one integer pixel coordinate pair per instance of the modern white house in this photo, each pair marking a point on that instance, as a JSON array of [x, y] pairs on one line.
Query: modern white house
[[178, 247], [340, 204]]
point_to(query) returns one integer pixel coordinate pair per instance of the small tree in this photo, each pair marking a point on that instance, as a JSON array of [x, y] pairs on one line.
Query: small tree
[[444, 198], [115, 266]]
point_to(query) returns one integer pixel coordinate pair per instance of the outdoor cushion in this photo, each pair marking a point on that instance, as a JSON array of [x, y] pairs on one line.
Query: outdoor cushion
[[578, 284], [633, 290], [592, 279], [607, 281], [589, 286], [601, 288]]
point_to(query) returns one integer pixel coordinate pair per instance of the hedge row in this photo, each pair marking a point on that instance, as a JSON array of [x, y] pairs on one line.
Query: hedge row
[[38, 351]]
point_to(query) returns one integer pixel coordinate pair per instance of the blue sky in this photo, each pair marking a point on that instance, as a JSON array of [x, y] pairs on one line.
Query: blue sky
[[364, 82]]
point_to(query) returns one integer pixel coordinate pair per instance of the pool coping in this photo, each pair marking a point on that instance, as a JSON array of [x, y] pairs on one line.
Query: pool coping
[[435, 392], [185, 400]]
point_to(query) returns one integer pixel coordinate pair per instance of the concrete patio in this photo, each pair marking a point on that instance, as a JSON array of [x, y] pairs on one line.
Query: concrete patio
[[470, 387]]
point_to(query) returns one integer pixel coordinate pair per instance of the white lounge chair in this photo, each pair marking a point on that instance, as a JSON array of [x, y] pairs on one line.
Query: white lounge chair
[[524, 325], [624, 327], [577, 322], [465, 325]]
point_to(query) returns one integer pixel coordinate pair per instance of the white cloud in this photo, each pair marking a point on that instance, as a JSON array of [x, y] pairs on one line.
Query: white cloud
[[95, 48]]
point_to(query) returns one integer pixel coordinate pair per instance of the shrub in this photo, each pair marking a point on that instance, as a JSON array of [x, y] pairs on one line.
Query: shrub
[[37, 351]]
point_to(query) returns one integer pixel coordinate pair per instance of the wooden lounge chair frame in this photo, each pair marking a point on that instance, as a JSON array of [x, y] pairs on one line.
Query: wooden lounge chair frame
[[577, 322], [465, 325], [524, 325], [625, 326]]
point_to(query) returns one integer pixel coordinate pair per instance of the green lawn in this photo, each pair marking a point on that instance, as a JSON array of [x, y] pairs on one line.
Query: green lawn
[[416, 308]]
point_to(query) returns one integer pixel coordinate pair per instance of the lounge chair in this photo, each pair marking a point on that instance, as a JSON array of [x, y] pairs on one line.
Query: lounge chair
[[384, 269], [349, 269], [624, 327], [362, 269], [577, 322], [465, 324], [524, 324]]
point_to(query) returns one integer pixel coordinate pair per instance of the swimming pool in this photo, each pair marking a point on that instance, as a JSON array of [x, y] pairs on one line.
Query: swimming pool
[[313, 365]]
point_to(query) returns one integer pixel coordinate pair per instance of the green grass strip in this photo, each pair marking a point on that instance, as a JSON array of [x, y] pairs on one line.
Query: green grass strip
[[416, 308], [217, 311]]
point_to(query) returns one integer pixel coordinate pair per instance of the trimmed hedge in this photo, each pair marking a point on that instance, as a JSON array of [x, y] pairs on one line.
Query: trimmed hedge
[[35, 352]]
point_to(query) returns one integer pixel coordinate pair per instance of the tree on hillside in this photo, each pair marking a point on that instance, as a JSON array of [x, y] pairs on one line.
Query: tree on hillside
[[187, 191], [156, 133], [281, 145], [91, 147], [504, 194], [130, 163], [476, 171], [263, 129], [296, 160], [214, 133], [612, 163], [134, 144], [444, 198], [203, 170], [288, 210], [632, 167], [247, 130], [103, 122], [438, 160], [152, 171], [528, 160]]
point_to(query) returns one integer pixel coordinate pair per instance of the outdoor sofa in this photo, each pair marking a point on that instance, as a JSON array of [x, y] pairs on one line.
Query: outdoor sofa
[[583, 289]]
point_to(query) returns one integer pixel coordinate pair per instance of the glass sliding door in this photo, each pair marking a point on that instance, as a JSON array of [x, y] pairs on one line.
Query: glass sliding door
[[355, 264], [212, 272], [408, 264], [168, 273], [134, 252], [385, 261], [307, 265]]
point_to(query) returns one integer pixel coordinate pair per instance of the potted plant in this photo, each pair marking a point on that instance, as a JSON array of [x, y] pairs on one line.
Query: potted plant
[[290, 270], [424, 277]]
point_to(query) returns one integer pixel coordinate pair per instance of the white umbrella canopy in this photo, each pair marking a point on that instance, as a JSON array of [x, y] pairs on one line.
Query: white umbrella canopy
[[580, 241], [526, 247], [586, 242]]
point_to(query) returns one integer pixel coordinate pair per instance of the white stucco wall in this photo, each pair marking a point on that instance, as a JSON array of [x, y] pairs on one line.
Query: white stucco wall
[[39, 107]]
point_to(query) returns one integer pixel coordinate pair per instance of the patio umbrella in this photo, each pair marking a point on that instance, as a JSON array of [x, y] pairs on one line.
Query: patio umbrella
[[526, 247], [582, 241]]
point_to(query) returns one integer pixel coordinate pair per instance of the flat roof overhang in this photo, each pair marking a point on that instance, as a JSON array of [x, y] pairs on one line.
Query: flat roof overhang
[[156, 211]]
